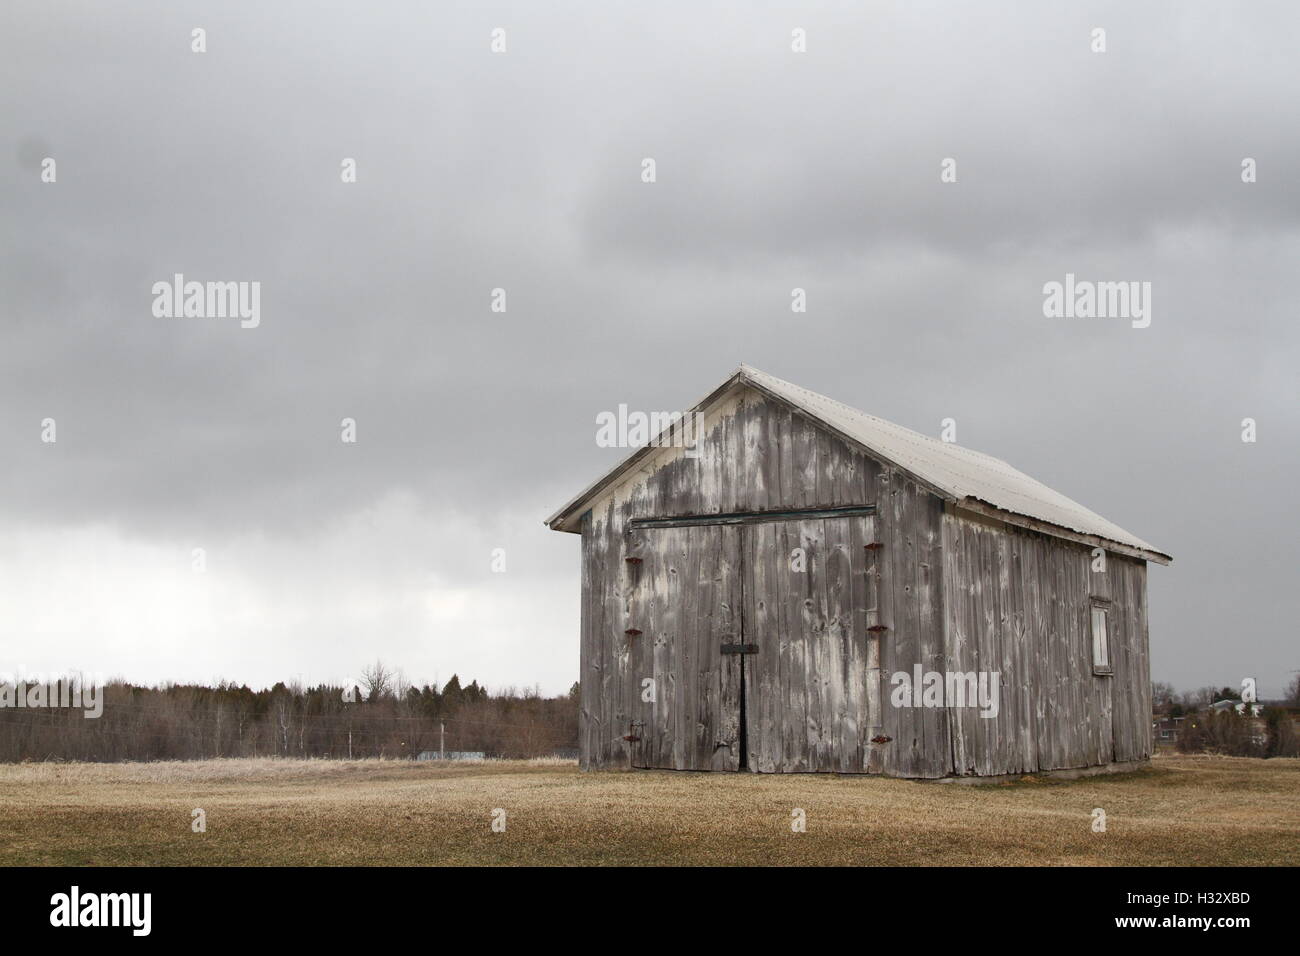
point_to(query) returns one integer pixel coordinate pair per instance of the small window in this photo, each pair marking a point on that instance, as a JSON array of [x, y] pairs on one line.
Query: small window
[[1100, 640]]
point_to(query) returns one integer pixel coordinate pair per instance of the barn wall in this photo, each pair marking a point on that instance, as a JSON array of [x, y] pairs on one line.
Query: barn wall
[[955, 592], [1019, 603], [758, 455], [912, 599]]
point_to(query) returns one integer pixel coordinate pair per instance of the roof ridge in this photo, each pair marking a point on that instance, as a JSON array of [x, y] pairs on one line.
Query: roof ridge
[[883, 421]]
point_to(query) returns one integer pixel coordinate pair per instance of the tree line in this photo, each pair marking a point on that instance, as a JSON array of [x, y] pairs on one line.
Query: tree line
[[382, 716]]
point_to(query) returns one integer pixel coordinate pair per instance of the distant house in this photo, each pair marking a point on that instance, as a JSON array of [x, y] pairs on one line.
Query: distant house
[[1166, 729], [1238, 706]]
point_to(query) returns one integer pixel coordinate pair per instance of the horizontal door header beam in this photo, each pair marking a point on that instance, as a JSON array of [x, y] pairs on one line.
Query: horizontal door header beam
[[749, 517]]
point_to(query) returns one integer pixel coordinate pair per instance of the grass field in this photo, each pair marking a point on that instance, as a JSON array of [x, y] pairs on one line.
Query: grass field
[[1183, 810]]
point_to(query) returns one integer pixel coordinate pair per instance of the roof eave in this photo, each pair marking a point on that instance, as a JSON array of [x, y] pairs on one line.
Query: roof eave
[[929, 486], [562, 520], [1060, 531]]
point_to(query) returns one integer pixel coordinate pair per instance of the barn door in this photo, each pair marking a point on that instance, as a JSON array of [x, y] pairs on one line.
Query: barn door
[[812, 687], [684, 600]]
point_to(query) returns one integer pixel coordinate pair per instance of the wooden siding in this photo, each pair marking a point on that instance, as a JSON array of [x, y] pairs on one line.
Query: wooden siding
[[1019, 603], [953, 593], [756, 455], [812, 694], [685, 598]]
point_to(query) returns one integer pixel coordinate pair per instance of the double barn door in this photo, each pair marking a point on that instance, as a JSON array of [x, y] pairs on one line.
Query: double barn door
[[750, 644]]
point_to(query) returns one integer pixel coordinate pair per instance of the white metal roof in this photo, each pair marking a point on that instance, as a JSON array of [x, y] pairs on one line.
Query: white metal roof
[[960, 474]]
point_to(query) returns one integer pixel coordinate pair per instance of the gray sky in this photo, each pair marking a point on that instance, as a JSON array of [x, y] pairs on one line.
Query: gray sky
[[522, 170]]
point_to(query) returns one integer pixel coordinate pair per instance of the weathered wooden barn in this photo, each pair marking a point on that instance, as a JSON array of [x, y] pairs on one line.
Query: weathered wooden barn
[[811, 588]]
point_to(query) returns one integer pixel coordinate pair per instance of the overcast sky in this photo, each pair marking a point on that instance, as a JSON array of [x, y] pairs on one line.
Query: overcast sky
[[522, 171]]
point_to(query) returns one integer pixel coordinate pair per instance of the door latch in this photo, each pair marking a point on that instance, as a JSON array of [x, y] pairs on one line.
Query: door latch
[[739, 648]]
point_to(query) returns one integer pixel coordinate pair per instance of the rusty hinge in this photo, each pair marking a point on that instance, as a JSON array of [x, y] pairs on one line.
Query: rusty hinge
[[873, 546], [632, 560], [633, 632], [739, 648], [877, 628], [881, 739]]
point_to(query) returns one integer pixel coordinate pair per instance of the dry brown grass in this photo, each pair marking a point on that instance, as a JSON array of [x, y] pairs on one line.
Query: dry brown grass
[[1184, 810]]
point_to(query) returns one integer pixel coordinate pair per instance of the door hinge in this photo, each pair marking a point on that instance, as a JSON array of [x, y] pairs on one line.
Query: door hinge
[[739, 648]]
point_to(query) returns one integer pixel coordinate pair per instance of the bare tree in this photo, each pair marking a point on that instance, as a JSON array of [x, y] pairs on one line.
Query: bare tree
[[283, 709], [378, 680], [220, 711], [1293, 691]]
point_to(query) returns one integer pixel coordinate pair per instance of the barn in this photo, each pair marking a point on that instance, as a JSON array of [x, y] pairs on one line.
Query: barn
[[781, 583]]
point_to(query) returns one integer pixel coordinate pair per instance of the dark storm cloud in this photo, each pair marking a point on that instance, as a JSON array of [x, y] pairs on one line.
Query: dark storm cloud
[[521, 171]]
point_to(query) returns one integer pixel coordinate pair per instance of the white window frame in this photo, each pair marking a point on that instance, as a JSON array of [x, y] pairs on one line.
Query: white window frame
[[1099, 611]]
